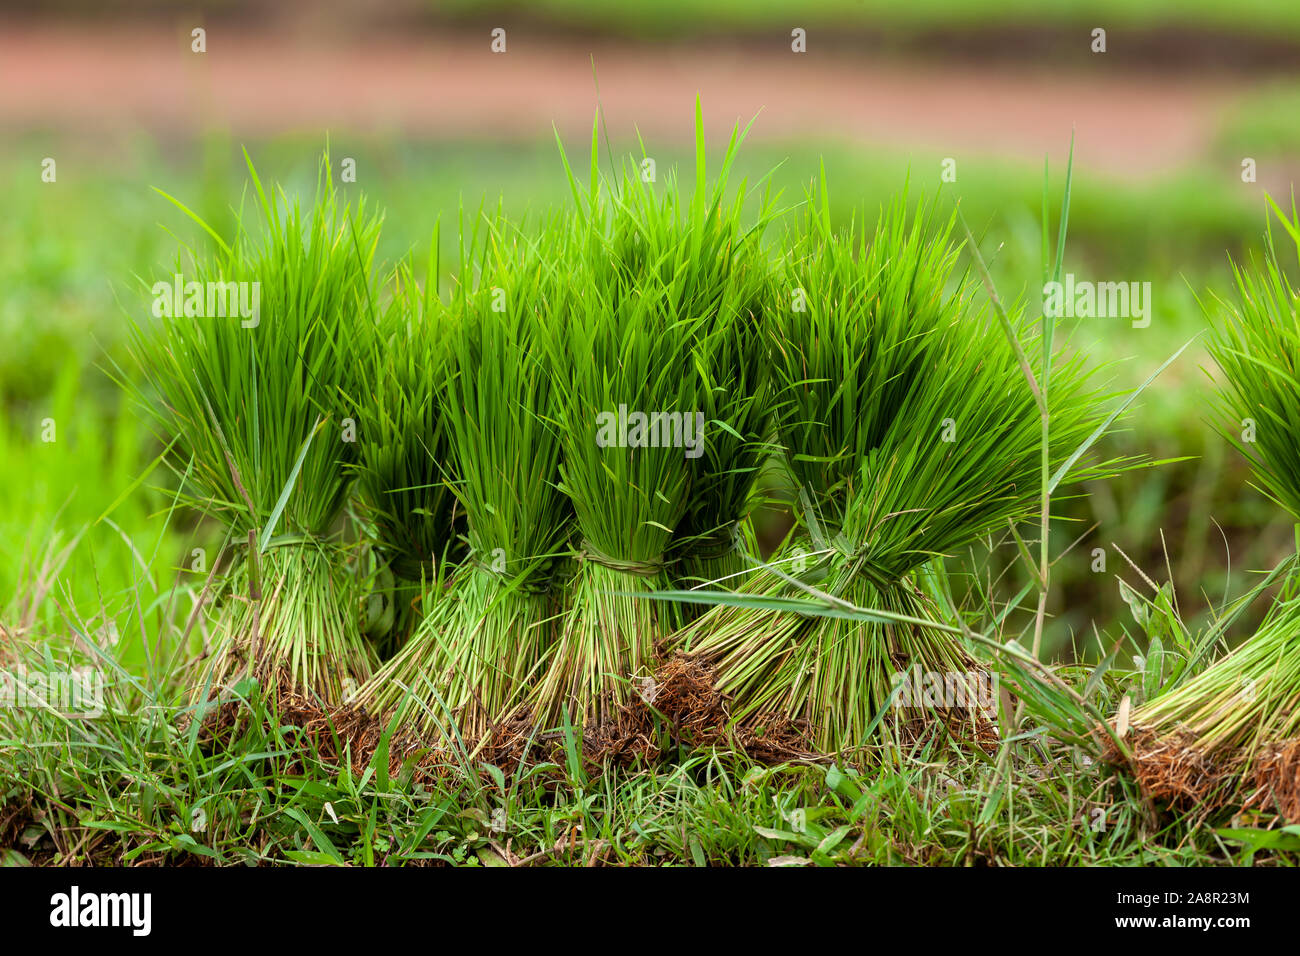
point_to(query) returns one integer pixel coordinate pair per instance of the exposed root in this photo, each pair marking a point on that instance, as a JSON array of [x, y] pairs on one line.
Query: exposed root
[[684, 691], [1172, 769], [518, 740], [628, 739], [966, 727], [1276, 780], [776, 738], [334, 733], [1175, 770], [680, 707]]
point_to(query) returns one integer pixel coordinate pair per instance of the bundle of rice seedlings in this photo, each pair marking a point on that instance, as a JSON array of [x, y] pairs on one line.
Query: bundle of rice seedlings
[[714, 537], [650, 277], [911, 432], [246, 376], [404, 462], [1231, 734], [469, 662]]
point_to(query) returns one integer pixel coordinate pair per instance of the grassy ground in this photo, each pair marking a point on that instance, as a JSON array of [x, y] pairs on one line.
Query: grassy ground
[[133, 787], [89, 548]]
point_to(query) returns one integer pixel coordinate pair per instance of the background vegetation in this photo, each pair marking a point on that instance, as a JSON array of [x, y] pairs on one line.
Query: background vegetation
[[92, 550]]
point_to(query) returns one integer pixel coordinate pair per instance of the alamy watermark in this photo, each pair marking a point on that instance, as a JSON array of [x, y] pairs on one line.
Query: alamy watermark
[[75, 908], [217, 300], [1083, 299], [624, 429], [74, 693], [946, 690]]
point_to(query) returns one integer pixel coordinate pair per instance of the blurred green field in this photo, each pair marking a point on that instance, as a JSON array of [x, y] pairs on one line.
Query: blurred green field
[[97, 561], [1268, 124], [681, 17]]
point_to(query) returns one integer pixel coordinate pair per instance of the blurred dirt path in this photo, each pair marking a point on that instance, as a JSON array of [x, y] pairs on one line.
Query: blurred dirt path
[[92, 81]]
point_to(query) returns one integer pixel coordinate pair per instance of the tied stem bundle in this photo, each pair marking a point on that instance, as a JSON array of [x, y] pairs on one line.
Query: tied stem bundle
[[659, 288], [404, 468], [910, 433], [1230, 735], [714, 537], [468, 665], [253, 409]]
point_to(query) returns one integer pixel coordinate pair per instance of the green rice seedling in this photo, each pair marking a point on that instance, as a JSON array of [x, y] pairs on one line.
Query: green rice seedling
[[1231, 733], [404, 463], [713, 537], [251, 402], [1258, 349], [471, 660], [910, 432], [649, 276]]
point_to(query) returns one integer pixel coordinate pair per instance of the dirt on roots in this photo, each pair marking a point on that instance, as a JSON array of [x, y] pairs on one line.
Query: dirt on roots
[[1174, 769], [1276, 780], [681, 707]]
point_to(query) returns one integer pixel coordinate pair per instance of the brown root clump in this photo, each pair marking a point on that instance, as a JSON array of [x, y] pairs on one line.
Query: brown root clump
[[682, 706], [965, 727], [1175, 770], [334, 733], [1172, 769], [679, 706], [1276, 780], [517, 739], [685, 691], [776, 738], [518, 742]]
